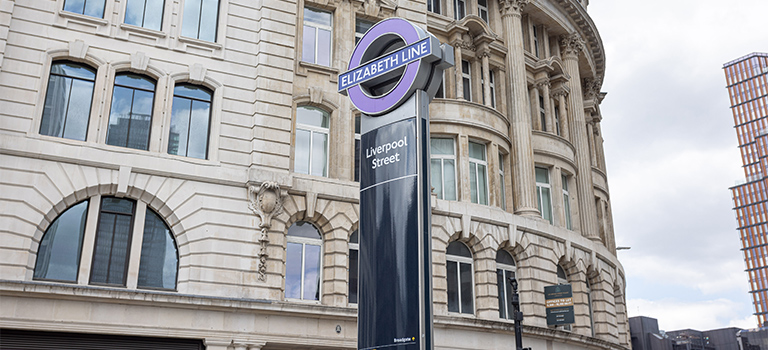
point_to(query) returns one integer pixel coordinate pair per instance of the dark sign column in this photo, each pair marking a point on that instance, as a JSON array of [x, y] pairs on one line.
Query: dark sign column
[[395, 304]]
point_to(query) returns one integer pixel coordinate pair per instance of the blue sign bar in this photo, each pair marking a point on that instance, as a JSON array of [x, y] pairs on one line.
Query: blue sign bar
[[385, 64]]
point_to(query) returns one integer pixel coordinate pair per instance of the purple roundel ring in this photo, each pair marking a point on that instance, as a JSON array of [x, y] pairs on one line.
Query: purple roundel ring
[[385, 103]]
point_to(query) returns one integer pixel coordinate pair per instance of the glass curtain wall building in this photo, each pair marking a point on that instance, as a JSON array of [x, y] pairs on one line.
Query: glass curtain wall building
[[747, 83]]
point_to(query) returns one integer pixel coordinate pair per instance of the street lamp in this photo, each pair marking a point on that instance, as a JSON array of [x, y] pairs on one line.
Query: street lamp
[[517, 315]]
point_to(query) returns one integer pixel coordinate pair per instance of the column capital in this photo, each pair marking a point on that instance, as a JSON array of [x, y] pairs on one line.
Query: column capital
[[571, 45], [512, 7], [591, 88], [483, 52], [543, 83]]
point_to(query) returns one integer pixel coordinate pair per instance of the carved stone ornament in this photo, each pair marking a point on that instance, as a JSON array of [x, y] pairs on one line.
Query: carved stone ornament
[[591, 88], [512, 7], [371, 8], [571, 44], [265, 201]]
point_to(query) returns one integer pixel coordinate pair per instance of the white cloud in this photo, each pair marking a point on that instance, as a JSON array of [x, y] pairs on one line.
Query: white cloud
[[676, 314]]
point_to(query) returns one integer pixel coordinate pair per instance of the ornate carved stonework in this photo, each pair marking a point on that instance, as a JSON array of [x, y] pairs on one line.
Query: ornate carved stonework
[[512, 7], [591, 88], [266, 201], [544, 83], [571, 44]]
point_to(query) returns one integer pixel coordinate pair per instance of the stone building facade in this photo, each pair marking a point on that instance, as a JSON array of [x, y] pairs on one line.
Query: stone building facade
[[184, 170]]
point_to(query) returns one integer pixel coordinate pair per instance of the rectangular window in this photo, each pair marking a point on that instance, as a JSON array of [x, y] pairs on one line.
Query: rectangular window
[[443, 167], [190, 121], [311, 149], [201, 17], [130, 119], [557, 121], [493, 88], [543, 193], [433, 6], [354, 248], [478, 173], [67, 108], [542, 114], [459, 9], [318, 29], [566, 203], [502, 183], [482, 9], [113, 241], [145, 13], [440, 90], [93, 8], [466, 79], [361, 27], [535, 41]]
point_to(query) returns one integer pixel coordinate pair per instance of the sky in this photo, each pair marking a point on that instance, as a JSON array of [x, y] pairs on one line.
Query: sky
[[671, 153]]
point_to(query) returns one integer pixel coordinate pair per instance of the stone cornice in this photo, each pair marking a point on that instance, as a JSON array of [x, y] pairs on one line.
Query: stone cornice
[[593, 45]]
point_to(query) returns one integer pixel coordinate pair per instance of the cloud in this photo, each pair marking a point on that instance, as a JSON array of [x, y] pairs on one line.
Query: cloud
[[676, 314]]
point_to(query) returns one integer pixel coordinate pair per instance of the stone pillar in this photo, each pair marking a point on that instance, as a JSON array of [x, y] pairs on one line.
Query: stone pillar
[[524, 186], [457, 69], [535, 112], [599, 144], [544, 86], [564, 125], [571, 46], [486, 78]]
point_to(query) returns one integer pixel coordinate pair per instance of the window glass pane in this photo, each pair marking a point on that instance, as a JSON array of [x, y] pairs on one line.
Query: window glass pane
[[465, 273], [293, 264], [177, 139], [55, 110], [117, 133], [477, 150], [191, 22], [141, 120], [193, 91], [79, 109], [459, 249], [76, 6], [324, 47], [354, 237], [353, 261], [319, 159], [208, 20], [73, 70], [198, 133], [450, 179], [482, 185], [130, 117], [110, 257], [153, 16], [134, 12], [301, 156], [473, 182], [502, 291], [546, 210], [453, 286], [467, 89], [308, 45], [312, 117], [542, 175], [316, 16], [311, 272], [436, 172], [68, 101], [503, 257], [58, 257], [303, 229], [134, 81], [159, 260], [441, 146], [94, 8]]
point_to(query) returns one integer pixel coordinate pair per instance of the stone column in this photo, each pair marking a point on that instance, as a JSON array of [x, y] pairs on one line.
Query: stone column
[[564, 125], [544, 86], [599, 144], [571, 46], [486, 78], [535, 113], [524, 186], [457, 69]]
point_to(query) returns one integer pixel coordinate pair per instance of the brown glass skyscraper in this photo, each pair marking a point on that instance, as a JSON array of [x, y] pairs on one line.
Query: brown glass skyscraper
[[747, 80]]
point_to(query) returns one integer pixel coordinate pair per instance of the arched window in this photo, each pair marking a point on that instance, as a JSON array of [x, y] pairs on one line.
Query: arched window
[[353, 264], [589, 304], [190, 121], [58, 258], [68, 99], [505, 271], [302, 264], [60, 248], [460, 278], [311, 151], [130, 119], [562, 278]]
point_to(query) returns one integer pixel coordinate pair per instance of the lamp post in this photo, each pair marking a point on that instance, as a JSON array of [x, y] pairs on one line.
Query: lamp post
[[517, 315]]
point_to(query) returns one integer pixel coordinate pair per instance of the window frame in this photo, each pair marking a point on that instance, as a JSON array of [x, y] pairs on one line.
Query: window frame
[[49, 252], [466, 78], [304, 241], [459, 7], [312, 130], [317, 26], [144, 15], [128, 250], [540, 186], [503, 270], [458, 260], [502, 183], [208, 140], [85, 3], [476, 163], [566, 202], [183, 11], [353, 246], [483, 9], [434, 6], [112, 100], [443, 158], [46, 84]]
